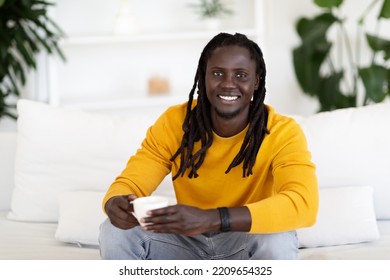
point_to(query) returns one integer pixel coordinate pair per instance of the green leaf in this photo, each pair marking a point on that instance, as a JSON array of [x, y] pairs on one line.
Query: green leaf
[[310, 55], [379, 44], [19, 71], [9, 114], [328, 3], [385, 11], [14, 88], [24, 51], [38, 38], [375, 81], [307, 64], [59, 51], [329, 93], [314, 30], [45, 3], [2, 2], [388, 79], [346, 101]]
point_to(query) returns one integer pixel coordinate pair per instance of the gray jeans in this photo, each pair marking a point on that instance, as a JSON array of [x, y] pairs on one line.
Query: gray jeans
[[137, 244]]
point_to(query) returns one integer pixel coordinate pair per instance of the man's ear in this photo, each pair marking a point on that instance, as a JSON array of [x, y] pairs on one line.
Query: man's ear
[[257, 82]]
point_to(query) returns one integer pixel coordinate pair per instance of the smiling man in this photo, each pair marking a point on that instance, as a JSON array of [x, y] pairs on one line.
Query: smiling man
[[231, 79], [243, 175]]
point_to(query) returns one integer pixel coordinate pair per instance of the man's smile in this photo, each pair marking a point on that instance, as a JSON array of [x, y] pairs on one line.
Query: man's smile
[[228, 97]]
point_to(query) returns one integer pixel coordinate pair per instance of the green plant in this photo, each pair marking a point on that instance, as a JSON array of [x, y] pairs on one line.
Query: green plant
[[211, 8], [25, 30], [321, 68]]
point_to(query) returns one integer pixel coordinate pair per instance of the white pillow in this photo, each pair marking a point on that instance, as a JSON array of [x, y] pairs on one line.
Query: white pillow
[[346, 215], [61, 150], [351, 147], [80, 215]]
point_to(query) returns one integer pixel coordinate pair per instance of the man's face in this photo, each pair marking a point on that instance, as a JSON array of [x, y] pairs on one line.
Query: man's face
[[230, 82]]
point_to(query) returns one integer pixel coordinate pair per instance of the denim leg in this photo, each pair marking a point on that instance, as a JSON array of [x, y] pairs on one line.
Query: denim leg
[[225, 246], [244, 246], [137, 244], [276, 246]]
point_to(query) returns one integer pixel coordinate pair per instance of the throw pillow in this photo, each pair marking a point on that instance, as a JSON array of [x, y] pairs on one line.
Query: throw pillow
[[80, 215], [346, 215], [60, 150]]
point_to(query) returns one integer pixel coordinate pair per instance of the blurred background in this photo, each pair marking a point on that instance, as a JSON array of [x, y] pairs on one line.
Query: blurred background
[[127, 54]]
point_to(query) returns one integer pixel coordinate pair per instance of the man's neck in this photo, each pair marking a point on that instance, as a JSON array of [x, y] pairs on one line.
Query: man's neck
[[228, 127]]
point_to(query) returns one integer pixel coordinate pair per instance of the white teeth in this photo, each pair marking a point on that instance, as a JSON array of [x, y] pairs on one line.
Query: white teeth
[[228, 98]]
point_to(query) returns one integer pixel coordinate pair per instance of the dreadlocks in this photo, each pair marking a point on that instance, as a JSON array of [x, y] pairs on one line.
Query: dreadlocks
[[197, 122]]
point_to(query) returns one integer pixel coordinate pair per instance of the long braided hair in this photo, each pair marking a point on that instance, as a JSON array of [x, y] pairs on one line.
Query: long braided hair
[[197, 122]]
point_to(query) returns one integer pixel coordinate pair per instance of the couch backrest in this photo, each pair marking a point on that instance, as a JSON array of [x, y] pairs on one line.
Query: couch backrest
[[63, 149], [351, 147]]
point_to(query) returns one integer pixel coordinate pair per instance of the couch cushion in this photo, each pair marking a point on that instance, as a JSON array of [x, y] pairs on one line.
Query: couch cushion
[[82, 227], [346, 215], [352, 147], [63, 150]]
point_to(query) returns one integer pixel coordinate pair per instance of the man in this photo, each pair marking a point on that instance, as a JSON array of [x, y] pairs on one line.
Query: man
[[242, 174]]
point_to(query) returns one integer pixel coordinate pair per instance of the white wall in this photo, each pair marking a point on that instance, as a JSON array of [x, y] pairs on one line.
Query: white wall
[[280, 38], [283, 92], [281, 15]]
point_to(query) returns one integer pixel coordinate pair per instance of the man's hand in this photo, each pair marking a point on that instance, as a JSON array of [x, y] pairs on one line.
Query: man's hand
[[182, 219], [119, 211]]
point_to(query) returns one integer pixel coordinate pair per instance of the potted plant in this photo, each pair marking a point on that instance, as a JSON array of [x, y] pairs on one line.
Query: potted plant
[[25, 30], [338, 81], [211, 11]]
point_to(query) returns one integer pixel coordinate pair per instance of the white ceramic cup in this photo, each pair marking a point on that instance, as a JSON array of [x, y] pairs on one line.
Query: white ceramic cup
[[144, 204]]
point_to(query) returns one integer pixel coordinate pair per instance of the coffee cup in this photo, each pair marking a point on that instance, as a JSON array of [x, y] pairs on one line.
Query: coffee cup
[[142, 205]]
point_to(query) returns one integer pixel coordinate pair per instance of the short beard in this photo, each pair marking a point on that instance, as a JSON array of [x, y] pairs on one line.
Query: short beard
[[227, 115]]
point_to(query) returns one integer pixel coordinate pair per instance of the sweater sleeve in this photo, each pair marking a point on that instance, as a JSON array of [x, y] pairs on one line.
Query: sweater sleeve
[[294, 202]]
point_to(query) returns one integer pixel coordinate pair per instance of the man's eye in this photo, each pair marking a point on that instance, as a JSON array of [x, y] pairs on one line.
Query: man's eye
[[241, 75]]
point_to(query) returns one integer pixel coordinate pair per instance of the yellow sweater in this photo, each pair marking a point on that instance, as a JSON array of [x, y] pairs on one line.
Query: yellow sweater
[[282, 193]]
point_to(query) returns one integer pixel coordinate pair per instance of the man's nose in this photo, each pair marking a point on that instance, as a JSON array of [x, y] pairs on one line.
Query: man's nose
[[229, 81]]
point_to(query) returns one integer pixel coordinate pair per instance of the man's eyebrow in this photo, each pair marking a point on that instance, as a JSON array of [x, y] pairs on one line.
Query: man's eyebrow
[[235, 69]]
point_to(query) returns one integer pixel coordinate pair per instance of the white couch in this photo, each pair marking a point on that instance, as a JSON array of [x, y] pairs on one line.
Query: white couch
[[55, 169]]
